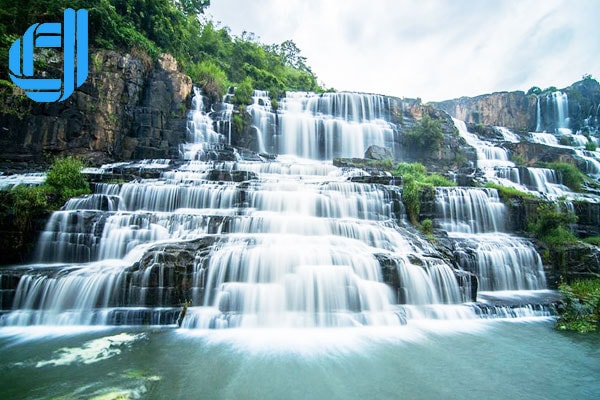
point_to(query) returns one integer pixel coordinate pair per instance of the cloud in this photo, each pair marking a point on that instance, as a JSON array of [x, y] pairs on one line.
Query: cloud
[[433, 49]]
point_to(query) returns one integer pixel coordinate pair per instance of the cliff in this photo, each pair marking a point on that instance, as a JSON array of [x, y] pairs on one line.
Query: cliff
[[535, 111], [129, 107]]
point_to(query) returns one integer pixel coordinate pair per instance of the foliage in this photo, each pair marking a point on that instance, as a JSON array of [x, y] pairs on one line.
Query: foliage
[[427, 226], [65, 178], [410, 198], [571, 176], [418, 172], [580, 311], [208, 53], [426, 135], [414, 179], [507, 193], [211, 77], [28, 203], [590, 146], [518, 159], [593, 240], [534, 90], [551, 225], [243, 93]]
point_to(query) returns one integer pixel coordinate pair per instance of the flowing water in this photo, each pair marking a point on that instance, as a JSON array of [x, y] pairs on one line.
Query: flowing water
[[326, 290]]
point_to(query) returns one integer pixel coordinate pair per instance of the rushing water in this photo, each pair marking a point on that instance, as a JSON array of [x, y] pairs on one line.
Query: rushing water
[[477, 360], [328, 292]]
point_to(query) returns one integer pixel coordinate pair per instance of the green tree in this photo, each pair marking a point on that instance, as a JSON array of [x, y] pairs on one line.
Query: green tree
[[65, 178], [426, 135]]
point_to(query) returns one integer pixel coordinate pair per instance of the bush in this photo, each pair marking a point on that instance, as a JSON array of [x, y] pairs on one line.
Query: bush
[[28, 203], [580, 311], [411, 200], [590, 146], [426, 135], [243, 93], [211, 77], [551, 225], [571, 176], [65, 178], [427, 226]]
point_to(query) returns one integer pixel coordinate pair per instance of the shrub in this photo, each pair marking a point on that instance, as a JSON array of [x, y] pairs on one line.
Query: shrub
[[243, 93], [590, 146], [571, 176], [410, 198], [28, 202], [426, 135], [65, 178], [211, 77], [580, 311], [427, 226], [551, 225]]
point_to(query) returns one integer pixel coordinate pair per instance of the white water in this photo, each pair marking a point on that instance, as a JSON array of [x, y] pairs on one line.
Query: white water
[[323, 126], [298, 247]]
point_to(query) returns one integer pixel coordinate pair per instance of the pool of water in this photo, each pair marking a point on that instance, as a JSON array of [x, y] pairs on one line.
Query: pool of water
[[424, 360]]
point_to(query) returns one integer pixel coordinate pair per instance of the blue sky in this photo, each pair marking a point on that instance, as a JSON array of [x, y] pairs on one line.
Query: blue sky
[[433, 49]]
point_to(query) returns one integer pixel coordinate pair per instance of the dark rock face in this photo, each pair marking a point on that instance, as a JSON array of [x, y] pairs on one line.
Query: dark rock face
[[129, 107]]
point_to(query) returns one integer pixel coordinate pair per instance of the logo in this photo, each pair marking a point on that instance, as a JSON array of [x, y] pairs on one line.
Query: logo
[[72, 37]]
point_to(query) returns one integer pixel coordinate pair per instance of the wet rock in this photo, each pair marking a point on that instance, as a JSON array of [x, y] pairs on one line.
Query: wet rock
[[378, 153]]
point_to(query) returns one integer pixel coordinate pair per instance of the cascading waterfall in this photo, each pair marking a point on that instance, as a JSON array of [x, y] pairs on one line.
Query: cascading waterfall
[[474, 219], [293, 244], [324, 126]]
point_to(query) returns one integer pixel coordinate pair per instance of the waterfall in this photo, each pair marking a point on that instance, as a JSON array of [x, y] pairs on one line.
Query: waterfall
[[561, 104], [538, 115], [293, 243], [200, 129], [263, 121], [324, 126]]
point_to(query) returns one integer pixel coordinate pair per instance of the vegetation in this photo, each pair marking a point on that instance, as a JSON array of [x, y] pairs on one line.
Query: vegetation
[[593, 240], [508, 193], [581, 309], [551, 225], [426, 135], [209, 54], [571, 176], [414, 179], [590, 146], [26, 203]]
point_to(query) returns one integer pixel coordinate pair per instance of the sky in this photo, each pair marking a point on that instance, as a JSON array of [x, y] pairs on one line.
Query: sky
[[432, 49]]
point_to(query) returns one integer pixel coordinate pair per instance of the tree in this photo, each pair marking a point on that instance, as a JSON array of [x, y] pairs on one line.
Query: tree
[[426, 135]]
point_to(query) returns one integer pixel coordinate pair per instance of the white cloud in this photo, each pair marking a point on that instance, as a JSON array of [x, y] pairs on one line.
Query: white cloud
[[433, 49]]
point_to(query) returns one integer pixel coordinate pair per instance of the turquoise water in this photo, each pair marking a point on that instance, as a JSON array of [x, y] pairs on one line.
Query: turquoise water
[[425, 360]]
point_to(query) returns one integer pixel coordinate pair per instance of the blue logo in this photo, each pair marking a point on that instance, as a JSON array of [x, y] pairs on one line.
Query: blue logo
[[72, 37]]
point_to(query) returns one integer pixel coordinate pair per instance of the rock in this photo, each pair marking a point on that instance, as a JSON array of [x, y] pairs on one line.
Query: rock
[[378, 153], [128, 108]]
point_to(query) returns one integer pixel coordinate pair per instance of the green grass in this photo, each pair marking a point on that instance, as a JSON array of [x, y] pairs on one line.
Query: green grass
[[506, 193], [594, 240]]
